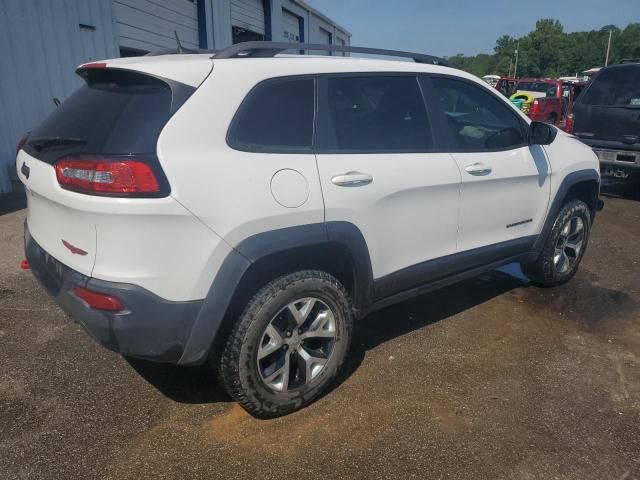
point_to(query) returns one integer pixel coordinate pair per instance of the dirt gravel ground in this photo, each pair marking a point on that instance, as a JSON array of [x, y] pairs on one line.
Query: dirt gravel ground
[[489, 379]]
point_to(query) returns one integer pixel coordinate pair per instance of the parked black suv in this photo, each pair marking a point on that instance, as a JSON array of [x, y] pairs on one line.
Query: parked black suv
[[607, 117]]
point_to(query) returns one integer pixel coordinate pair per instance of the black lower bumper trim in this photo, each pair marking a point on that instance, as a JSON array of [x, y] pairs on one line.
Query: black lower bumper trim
[[150, 327]]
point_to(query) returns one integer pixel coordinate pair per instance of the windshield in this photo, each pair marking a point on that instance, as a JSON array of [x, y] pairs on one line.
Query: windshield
[[615, 87]]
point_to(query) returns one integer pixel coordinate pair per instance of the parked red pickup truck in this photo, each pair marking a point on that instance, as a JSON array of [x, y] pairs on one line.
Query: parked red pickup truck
[[543, 99]]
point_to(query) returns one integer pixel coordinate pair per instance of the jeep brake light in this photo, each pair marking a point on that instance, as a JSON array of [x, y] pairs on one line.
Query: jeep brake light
[[535, 107], [568, 124], [107, 176]]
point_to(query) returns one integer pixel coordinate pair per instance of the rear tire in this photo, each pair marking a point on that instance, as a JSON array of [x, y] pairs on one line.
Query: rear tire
[[288, 345], [564, 247]]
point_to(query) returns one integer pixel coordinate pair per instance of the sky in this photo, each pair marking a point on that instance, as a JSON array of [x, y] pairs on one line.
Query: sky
[[448, 27]]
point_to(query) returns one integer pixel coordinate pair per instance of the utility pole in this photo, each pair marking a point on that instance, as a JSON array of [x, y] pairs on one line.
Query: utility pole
[[515, 70], [606, 61], [510, 67]]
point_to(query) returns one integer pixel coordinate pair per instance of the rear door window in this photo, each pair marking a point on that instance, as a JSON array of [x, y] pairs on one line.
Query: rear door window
[[382, 113], [615, 87], [115, 112], [276, 116]]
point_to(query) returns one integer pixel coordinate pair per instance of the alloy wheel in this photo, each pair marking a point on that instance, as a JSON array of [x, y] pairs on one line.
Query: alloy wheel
[[296, 344], [569, 245]]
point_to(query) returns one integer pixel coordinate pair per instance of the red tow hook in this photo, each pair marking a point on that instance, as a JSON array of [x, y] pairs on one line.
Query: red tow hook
[[24, 265]]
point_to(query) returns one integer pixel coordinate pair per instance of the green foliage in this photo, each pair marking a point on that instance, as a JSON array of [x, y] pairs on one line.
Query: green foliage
[[548, 51]]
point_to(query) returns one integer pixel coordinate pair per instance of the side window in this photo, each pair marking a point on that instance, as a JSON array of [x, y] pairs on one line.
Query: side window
[[376, 114], [476, 119], [276, 116]]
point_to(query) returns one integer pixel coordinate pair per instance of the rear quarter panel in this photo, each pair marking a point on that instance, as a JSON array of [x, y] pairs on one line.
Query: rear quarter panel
[[230, 190]]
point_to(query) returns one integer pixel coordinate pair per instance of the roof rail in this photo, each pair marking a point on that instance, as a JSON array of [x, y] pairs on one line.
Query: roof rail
[[271, 49], [185, 51]]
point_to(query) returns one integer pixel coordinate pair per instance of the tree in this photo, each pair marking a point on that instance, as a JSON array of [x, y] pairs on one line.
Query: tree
[[549, 51]]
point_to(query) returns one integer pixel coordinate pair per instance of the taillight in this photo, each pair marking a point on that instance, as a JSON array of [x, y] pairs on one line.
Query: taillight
[[21, 143], [99, 301], [107, 176], [535, 107], [568, 123]]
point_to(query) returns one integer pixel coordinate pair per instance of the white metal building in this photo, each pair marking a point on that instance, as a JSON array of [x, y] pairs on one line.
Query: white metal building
[[42, 41]]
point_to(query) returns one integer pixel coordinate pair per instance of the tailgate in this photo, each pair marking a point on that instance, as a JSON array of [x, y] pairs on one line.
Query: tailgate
[[55, 218], [609, 109], [607, 123]]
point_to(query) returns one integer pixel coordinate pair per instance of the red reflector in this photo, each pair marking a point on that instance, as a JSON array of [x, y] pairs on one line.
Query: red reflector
[[99, 301], [110, 176], [568, 124], [24, 265], [94, 65], [535, 107]]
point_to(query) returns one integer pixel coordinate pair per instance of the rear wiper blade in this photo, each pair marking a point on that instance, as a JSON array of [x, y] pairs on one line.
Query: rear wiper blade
[[40, 143]]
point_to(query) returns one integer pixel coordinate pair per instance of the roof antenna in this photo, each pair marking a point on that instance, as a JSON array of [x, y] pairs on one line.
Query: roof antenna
[[178, 42]]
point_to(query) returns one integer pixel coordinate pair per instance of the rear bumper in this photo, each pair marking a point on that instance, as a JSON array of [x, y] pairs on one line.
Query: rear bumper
[[614, 154], [150, 327]]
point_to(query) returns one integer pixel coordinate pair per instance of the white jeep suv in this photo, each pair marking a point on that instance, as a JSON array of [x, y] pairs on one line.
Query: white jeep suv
[[243, 207]]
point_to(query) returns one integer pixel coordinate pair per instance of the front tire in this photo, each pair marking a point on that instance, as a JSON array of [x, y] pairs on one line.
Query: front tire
[[564, 247], [288, 345]]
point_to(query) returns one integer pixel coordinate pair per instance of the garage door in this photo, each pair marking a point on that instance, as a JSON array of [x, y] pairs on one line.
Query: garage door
[[143, 26], [291, 27], [248, 15]]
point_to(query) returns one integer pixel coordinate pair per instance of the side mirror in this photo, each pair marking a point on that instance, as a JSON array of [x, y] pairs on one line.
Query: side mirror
[[541, 133]]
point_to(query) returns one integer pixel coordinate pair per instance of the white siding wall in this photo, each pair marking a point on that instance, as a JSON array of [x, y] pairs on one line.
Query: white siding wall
[[150, 24], [41, 43]]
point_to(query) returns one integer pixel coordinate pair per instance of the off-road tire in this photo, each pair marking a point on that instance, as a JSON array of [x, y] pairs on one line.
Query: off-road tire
[[542, 271], [237, 364]]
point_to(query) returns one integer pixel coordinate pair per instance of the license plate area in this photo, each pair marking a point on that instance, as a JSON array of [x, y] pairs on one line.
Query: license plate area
[[49, 271], [625, 157]]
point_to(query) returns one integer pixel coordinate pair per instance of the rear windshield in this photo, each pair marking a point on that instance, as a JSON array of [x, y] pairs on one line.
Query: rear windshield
[[615, 87], [115, 112]]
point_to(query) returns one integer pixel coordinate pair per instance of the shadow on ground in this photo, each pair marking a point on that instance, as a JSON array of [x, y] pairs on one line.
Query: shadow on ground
[[628, 189], [199, 384]]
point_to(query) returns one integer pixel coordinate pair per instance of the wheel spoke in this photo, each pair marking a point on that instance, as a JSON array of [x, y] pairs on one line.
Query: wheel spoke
[[275, 342], [301, 313], [323, 326], [578, 227], [310, 365], [574, 248], [557, 256], [279, 379], [564, 262], [566, 229]]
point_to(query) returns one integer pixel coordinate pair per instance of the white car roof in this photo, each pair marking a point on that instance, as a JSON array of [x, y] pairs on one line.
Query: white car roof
[[192, 69]]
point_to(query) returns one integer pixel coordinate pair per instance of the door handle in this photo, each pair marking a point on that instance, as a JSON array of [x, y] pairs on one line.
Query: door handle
[[352, 179], [478, 169]]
